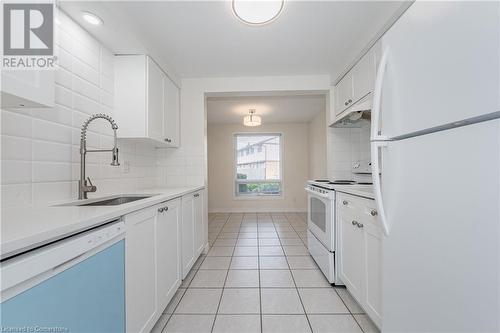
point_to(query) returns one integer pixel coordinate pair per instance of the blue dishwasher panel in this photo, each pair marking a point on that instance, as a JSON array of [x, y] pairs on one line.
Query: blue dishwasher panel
[[88, 297]]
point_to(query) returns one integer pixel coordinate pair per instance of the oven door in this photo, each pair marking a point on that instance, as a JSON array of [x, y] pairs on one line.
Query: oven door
[[320, 217]]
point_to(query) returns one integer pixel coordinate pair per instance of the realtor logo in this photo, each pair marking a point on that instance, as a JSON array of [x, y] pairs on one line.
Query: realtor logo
[[28, 36], [28, 29]]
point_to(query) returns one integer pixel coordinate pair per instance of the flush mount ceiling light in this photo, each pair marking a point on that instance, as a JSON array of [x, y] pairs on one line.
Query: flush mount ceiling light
[[252, 119], [258, 12], [92, 18]]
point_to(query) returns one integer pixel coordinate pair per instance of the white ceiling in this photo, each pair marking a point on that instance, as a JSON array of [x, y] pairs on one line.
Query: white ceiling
[[204, 39], [273, 109]]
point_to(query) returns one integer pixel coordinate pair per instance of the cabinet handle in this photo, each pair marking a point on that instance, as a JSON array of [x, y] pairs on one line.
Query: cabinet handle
[[373, 212], [345, 202], [165, 209], [160, 210], [196, 195], [346, 103], [354, 222], [360, 225], [350, 101], [168, 140]]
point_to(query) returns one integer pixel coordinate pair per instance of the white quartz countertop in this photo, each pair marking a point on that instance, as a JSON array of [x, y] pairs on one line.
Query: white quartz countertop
[[365, 191], [24, 228]]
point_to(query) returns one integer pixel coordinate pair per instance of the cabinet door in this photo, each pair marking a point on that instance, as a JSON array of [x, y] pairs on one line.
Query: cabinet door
[[352, 255], [171, 113], [343, 94], [199, 228], [140, 272], [26, 88], [362, 77], [168, 251], [154, 101], [373, 271], [188, 251]]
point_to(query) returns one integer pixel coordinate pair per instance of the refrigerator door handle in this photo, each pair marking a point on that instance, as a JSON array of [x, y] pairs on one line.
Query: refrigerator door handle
[[377, 99], [377, 190], [378, 141]]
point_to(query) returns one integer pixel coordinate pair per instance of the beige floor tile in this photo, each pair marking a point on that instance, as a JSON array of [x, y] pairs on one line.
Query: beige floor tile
[[199, 301], [322, 301], [237, 323], [240, 301], [189, 324], [285, 324], [242, 278], [209, 279], [281, 301]]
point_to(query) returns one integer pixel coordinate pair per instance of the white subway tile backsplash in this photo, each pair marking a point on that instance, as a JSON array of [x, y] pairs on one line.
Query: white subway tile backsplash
[[40, 147], [49, 151], [83, 53], [85, 88], [16, 194], [51, 172], [49, 131], [85, 104], [16, 148], [15, 124], [15, 172], [64, 78], [53, 192], [64, 59], [85, 71], [64, 96]]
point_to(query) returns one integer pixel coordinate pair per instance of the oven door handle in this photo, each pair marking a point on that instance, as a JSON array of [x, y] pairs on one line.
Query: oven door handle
[[321, 195]]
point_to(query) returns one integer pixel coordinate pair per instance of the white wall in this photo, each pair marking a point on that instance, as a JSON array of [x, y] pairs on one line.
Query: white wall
[[317, 146], [40, 147], [188, 164], [221, 169]]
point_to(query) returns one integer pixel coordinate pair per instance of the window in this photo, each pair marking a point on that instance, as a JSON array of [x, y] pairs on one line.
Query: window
[[258, 171]]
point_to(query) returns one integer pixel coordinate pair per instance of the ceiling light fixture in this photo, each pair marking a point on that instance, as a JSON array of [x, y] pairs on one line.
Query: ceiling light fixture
[[257, 12], [92, 18], [252, 119]]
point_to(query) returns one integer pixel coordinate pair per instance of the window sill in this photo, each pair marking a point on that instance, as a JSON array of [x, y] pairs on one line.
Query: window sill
[[258, 197]]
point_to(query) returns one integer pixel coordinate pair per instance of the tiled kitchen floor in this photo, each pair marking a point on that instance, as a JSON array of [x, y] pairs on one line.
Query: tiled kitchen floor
[[259, 277]]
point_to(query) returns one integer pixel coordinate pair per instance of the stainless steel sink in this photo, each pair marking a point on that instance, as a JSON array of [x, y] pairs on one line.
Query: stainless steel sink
[[110, 201]]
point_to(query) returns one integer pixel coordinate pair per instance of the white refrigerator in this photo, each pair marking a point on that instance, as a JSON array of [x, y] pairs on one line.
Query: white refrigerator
[[436, 168]]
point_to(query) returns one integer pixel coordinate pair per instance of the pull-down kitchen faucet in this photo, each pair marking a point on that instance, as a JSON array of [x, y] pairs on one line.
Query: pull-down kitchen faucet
[[83, 188]]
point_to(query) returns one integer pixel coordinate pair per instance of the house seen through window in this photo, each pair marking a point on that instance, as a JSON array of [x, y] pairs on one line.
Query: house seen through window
[[258, 165]]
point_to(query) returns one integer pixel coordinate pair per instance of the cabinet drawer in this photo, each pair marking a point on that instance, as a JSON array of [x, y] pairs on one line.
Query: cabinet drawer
[[357, 207]]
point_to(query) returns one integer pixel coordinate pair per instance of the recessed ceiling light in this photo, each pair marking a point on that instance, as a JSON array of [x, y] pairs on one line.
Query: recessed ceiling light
[[257, 12], [92, 18]]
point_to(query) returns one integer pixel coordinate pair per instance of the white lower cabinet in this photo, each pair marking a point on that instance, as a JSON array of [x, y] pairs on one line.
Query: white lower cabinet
[[193, 229], [152, 263], [361, 252], [140, 270], [168, 251]]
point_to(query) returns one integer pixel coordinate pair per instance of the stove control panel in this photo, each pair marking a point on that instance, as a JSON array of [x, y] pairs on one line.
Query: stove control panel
[[318, 189]]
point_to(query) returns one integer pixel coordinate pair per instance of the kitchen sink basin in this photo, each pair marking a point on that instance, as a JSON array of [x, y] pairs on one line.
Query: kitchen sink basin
[[110, 201]]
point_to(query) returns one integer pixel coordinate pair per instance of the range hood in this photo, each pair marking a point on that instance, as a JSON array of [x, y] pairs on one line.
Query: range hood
[[357, 115]]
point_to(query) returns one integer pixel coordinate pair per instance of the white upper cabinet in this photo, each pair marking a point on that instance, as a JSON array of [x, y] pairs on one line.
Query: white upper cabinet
[[171, 105], [146, 101], [357, 83], [343, 94], [27, 88]]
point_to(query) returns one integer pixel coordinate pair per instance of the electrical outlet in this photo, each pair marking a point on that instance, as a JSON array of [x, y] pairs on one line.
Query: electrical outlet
[[126, 167]]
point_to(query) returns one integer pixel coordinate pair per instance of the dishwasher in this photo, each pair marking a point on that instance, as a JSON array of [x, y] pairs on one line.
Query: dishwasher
[[72, 285]]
